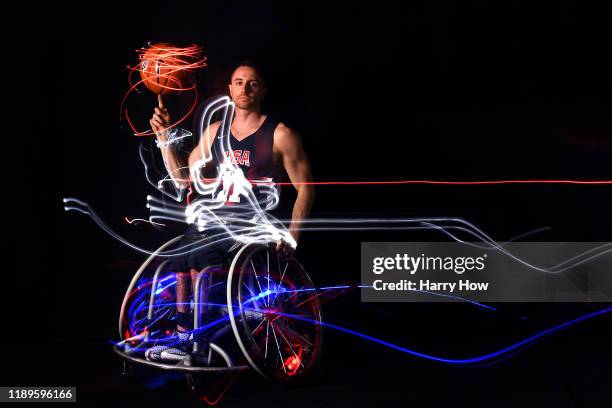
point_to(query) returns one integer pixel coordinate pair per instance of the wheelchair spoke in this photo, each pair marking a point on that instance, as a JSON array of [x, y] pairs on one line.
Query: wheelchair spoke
[[285, 270], [276, 285], [249, 289], [267, 331], [260, 323], [289, 344], [279, 284], [257, 279], [280, 354], [295, 334], [255, 302]]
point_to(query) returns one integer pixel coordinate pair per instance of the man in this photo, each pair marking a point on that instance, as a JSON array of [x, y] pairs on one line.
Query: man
[[263, 144]]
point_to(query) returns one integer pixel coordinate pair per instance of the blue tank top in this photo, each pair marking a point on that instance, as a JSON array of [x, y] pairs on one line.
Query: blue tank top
[[253, 154]]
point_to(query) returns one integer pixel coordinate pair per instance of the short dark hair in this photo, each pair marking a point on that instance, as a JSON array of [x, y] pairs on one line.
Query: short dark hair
[[252, 64]]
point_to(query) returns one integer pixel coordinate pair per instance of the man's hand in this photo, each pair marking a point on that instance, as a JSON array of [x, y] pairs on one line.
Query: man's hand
[[160, 121], [285, 248]]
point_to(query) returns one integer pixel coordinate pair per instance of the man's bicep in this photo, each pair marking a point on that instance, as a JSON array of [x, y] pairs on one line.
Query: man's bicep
[[295, 161], [298, 169]]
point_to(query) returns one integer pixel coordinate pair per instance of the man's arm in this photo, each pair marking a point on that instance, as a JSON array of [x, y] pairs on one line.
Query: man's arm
[[177, 168], [175, 165], [289, 145]]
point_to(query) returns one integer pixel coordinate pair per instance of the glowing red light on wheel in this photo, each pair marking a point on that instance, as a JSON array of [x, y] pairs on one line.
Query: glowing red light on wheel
[[292, 363]]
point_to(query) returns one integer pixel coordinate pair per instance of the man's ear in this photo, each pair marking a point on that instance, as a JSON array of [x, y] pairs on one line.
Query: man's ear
[[229, 86]]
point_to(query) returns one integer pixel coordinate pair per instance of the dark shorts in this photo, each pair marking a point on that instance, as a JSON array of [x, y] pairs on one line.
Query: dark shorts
[[199, 258]]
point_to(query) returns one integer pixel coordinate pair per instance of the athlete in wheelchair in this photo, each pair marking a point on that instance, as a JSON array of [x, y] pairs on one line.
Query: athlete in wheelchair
[[228, 290]]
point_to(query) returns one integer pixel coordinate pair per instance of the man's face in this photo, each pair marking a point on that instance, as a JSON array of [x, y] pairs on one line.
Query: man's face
[[246, 88]]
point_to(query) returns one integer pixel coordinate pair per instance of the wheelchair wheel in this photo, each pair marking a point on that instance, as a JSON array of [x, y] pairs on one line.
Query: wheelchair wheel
[[275, 313], [133, 317]]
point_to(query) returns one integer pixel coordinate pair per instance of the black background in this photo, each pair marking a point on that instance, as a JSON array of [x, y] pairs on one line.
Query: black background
[[432, 90]]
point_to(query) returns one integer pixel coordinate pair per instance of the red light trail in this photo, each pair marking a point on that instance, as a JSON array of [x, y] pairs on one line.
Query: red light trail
[[173, 66], [448, 182], [430, 182]]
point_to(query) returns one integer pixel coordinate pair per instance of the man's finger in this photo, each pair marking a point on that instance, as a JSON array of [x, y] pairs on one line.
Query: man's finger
[[159, 118], [162, 112], [160, 101], [160, 125]]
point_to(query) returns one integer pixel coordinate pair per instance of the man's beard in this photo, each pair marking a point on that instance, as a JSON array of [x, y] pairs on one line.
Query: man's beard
[[247, 104]]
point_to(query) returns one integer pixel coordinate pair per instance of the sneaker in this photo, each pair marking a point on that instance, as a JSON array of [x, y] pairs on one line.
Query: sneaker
[[176, 354], [176, 349], [154, 353]]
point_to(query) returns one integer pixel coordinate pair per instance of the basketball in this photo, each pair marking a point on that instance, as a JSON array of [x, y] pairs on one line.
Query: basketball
[[165, 70]]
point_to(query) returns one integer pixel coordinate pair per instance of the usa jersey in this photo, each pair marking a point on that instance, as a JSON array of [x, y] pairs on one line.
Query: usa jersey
[[253, 154]]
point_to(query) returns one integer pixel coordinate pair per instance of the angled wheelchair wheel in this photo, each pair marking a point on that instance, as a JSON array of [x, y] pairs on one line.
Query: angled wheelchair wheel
[[139, 308], [275, 313]]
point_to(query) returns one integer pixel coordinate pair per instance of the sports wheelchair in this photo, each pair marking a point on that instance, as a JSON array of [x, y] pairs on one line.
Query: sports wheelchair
[[259, 310]]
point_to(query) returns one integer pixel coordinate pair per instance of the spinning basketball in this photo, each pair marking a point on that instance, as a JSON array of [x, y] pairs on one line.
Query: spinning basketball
[[166, 69]]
